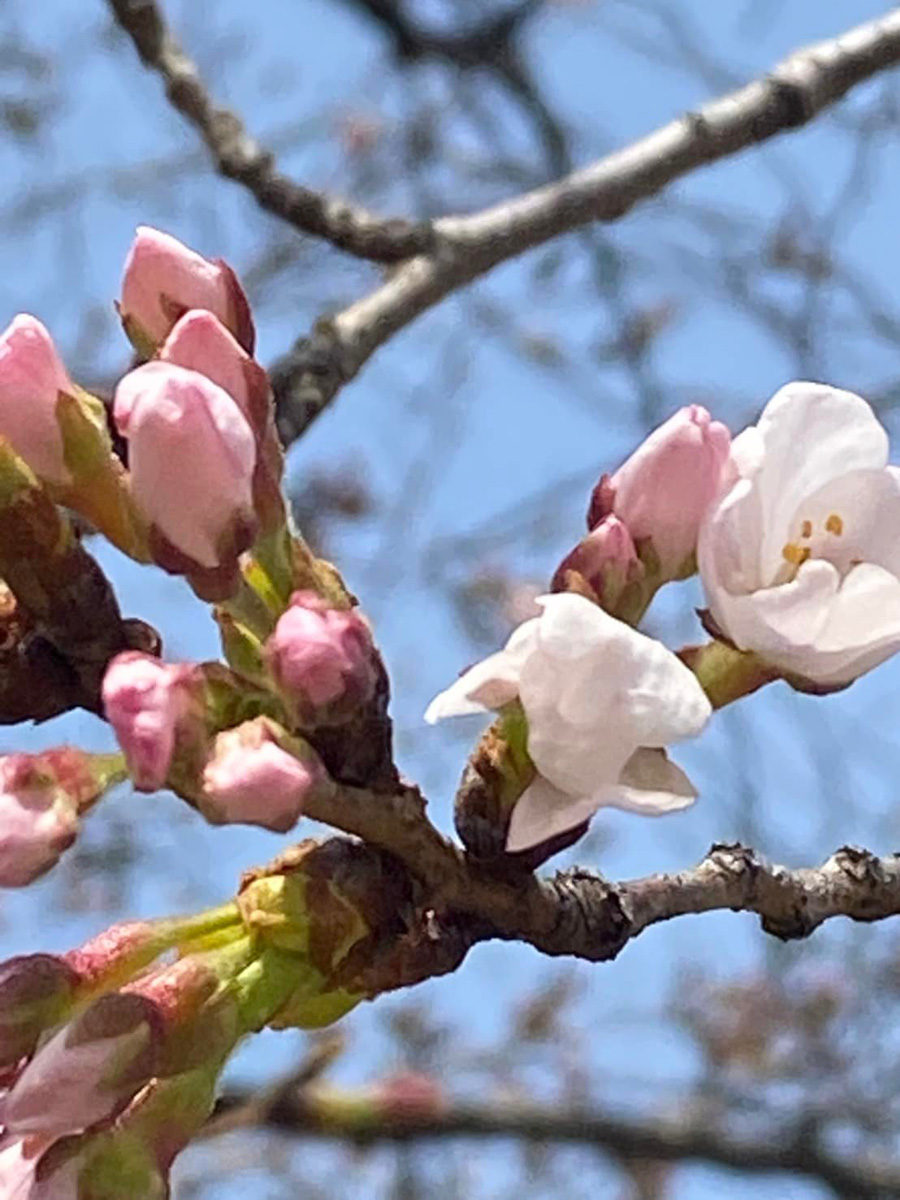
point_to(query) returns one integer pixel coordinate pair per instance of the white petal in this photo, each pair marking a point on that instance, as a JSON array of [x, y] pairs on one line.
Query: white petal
[[489, 684], [862, 628], [867, 505], [812, 434], [651, 785], [542, 812], [595, 690], [781, 623]]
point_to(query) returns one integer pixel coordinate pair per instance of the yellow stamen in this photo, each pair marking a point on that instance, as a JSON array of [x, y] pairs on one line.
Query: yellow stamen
[[794, 554], [834, 524], [806, 529]]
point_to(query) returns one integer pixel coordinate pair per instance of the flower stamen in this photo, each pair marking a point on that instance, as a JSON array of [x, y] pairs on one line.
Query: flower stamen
[[834, 524], [794, 554]]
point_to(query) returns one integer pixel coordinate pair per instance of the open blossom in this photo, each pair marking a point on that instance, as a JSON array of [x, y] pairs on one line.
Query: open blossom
[[31, 378], [164, 279], [800, 555], [250, 779], [322, 659], [662, 492], [192, 455], [144, 700], [38, 819], [602, 700]]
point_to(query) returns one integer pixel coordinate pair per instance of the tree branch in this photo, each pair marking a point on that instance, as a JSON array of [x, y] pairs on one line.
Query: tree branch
[[367, 1116], [578, 912], [467, 247], [240, 157]]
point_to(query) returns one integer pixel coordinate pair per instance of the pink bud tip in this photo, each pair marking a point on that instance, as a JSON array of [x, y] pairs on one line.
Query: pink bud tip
[[192, 455], [251, 780], [31, 378], [38, 820], [164, 279], [664, 489], [143, 700], [322, 660]]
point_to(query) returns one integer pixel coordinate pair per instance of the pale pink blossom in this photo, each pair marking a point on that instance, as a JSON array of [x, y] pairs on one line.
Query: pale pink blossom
[[251, 780], [322, 659], [32, 376], [601, 701], [38, 819], [192, 455], [800, 555], [164, 279], [663, 491], [144, 700]]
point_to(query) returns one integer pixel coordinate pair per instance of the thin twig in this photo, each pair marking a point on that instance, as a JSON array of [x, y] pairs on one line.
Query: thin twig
[[240, 157], [467, 247]]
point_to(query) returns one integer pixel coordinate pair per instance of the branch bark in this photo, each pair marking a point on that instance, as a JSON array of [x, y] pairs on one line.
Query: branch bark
[[467, 247], [240, 157], [367, 1117], [578, 912]]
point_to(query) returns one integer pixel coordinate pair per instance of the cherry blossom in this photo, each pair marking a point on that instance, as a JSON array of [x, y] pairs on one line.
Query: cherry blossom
[[800, 555], [601, 700]]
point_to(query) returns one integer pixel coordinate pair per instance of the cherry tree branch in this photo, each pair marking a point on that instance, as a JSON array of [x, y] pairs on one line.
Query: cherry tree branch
[[578, 912], [365, 1117], [239, 157], [467, 247]]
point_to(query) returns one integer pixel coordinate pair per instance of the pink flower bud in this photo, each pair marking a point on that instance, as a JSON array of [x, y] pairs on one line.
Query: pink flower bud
[[251, 780], [662, 492], [35, 992], [192, 455], [200, 342], [38, 820], [31, 377], [87, 1071], [164, 279], [322, 660], [606, 560], [144, 700]]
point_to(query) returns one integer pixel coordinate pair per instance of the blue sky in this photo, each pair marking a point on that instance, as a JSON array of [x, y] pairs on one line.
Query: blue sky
[[450, 428]]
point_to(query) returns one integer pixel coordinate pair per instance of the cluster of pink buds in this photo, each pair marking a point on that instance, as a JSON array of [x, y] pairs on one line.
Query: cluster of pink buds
[[644, 520], [109, 1057]]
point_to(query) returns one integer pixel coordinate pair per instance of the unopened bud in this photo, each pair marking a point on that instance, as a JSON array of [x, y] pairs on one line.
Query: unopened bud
[[164, 279], [322, 660]]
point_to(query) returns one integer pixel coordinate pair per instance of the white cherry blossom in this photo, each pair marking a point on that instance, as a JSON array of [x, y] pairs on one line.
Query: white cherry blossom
[[800, 554], [601, 700]]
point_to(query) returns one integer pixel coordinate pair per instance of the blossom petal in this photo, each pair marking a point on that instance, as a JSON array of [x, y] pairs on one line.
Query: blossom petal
[[652, 785], [542, 812], [491, 683], [781, 623], [838, 433], [853, 519], [862, 627]]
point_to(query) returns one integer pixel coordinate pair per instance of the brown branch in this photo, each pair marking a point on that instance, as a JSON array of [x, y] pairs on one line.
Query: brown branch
[[467, 247], [367, 1116], [240, 157], [579, 913]]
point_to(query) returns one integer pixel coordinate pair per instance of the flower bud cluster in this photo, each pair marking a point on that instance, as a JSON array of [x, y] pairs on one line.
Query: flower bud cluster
[[110, 1059]]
